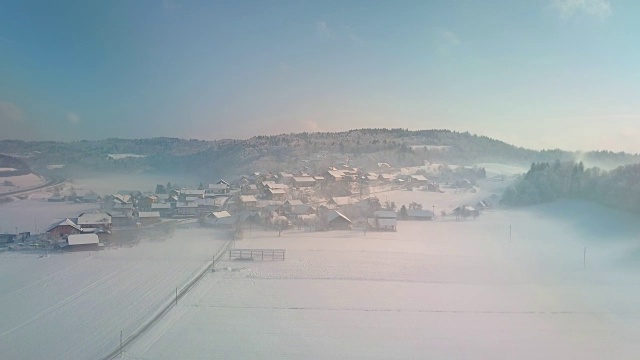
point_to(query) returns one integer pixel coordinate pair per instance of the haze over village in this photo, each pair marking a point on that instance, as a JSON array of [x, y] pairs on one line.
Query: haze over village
[[319, 180]]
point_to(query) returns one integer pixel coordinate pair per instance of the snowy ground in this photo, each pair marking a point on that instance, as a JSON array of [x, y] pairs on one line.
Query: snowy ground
[[74, 305], [20, 182], [438, 290]]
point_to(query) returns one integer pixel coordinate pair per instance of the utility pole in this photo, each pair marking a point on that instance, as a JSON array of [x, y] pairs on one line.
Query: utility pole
[[584, 258], [509, 233], [176, 296], [433, 212]]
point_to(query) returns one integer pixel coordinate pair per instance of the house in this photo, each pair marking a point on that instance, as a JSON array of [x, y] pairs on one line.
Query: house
[[248, 201], [207, 204], [336, 220], [119, 199], [285, 178], [483, 205], [289, 203], [299, 210], [184, 193], [81, 242], [220, 219], [338, 202], [434, 187], [120, 218], [64, 228], [418, 179], [319, 179], [335, 175], [249, 189], [148, 217], [386, 177], [419, 215], [383, 220], [221, 188], [303, 181], [90, 198], [165, 209], [146, 201], [222, 182], [186, 209], [276, 194], [95, 219]]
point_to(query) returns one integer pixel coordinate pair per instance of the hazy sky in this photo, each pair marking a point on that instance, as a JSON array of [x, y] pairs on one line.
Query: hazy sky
[[546, 73]]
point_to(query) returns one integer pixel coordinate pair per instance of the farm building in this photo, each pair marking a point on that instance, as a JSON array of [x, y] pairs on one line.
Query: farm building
[[419, 215], [81, 242], [336, 220], [64, 228], [95, 219], [148, 217]]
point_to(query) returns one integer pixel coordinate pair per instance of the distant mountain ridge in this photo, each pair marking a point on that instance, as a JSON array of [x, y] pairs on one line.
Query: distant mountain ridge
[[310, 151]]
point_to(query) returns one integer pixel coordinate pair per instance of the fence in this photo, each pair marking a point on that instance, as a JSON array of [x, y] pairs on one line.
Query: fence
[[257, 254]]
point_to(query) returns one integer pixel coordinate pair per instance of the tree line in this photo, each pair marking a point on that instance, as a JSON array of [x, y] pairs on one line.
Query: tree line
[[546, 182]]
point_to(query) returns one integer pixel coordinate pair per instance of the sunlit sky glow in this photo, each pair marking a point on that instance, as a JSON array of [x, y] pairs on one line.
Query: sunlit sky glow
[[540, 74]]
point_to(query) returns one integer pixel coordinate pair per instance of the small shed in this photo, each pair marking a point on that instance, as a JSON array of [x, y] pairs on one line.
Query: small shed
[[81, 242]]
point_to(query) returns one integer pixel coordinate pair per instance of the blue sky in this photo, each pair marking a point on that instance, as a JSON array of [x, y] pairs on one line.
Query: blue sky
[[546, 73]]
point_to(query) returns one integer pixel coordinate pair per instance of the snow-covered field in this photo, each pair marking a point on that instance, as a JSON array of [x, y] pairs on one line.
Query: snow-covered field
[[437, 290], [124, 156], [20, 182], [74, 305]]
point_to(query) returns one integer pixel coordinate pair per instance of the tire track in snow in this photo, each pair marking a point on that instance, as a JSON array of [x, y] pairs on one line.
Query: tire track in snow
[[498, 312], [168, 305], [67, 300], [41, 280]]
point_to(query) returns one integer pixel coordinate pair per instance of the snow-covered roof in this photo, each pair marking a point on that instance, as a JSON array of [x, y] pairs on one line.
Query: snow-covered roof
[[220, 214], [334, 214], [83, 239], [336, 173], [418, 178], [341, 200], [277, 191], [94, 218], [64, 222], [247, 198], [149, 214], [308, 179], [160, 206], [293, 202], [186, 205]]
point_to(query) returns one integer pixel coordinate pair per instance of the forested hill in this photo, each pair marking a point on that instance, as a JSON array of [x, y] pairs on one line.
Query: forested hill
[[363, 147], [10, 166], [546, 182]]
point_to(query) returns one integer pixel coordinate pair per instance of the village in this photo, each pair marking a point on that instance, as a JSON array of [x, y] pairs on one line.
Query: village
[[341, 198]]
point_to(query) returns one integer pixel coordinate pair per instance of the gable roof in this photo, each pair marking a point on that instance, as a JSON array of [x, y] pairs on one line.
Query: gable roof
[[248, 198], [65, 222], [94, 218], [334, 214], [341, 200]]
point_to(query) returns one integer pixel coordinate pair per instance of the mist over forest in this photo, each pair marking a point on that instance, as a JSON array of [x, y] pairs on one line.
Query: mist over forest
[[311, 151]]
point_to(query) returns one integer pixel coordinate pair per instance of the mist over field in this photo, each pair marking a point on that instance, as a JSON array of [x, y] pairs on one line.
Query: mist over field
[[319, 180]]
